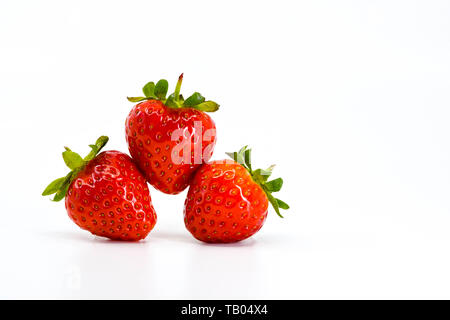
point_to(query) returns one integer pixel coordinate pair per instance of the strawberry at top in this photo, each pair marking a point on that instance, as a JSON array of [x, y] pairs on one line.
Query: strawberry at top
[[170, 137]]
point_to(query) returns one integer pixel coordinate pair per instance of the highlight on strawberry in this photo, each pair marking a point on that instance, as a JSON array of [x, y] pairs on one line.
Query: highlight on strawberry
[[105, 194], [170, 137], [228, 200]]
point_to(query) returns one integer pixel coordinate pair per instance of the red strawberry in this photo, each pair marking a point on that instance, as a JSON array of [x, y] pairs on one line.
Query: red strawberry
[[105, 194], [228, 201], [169, 138]]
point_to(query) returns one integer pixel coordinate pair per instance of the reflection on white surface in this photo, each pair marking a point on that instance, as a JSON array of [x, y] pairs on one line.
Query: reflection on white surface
[[78, 265], [394, 262]]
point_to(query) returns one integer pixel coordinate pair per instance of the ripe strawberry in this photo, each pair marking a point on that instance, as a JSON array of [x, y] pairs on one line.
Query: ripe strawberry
[[227, 200], [169, 138], [105, 194]]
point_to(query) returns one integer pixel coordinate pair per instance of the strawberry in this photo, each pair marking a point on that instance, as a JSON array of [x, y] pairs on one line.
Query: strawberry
[[105, 194], [228, 201], [169, 138]]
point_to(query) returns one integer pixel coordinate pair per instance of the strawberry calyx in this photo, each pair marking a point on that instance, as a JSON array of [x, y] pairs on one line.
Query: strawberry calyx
[[75, 163], [175, 100], [261, 177]]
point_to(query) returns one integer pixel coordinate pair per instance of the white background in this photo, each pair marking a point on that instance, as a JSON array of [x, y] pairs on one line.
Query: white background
[[349, 98]]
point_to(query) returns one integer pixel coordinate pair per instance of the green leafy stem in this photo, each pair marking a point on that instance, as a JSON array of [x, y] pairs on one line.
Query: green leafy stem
[[159, 90], [260, 176], [75, 163]]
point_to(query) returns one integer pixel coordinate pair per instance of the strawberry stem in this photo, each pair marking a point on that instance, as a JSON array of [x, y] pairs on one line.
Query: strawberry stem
[[178, 87]]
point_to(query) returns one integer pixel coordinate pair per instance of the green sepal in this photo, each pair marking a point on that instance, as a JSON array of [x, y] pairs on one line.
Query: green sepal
[[61, 193], [54, 186], [74, 161], [242, 157], [149, 90], [195, 99], [175, 100], [263, 175], [273, 201], [136, 99], [207, 106], [247, 158], [274, 185], [260, 176], [161, 88], [236, 156], [95, 148], [282, 204]]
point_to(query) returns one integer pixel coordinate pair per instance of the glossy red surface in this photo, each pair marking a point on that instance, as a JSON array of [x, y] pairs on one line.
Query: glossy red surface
[[224, 204], [150, 127], [110, 198]]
